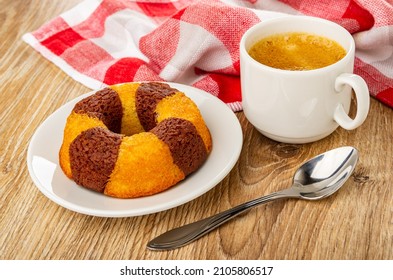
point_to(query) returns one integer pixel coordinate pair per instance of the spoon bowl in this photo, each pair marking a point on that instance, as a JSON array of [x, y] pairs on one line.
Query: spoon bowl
[[317, 178], [324, 174]]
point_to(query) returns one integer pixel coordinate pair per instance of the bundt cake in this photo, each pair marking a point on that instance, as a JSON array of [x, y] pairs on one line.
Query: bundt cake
[[134, 139]]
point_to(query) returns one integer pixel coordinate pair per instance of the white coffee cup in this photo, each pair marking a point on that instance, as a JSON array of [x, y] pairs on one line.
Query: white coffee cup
[[301, 106]]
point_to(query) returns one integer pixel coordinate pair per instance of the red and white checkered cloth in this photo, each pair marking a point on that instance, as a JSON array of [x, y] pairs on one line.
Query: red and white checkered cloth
[[105, 42]]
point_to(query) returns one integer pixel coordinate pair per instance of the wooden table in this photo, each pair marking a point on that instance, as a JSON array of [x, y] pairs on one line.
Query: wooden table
[[355, 223]]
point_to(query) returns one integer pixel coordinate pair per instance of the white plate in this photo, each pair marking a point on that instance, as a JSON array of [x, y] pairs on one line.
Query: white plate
[[44, 169]]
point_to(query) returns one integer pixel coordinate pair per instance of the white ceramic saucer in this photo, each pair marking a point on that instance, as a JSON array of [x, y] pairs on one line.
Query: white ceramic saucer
[[44, 169]]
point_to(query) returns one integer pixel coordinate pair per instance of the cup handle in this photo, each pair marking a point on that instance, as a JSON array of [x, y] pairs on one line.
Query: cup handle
[[360, 88]]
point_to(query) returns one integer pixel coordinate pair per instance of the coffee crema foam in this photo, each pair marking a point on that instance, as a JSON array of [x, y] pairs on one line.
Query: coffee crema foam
[[297, 51]]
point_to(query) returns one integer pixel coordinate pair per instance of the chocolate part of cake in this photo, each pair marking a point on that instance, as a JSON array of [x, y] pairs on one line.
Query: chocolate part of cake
[[186, 145], [104, 105], [93, 155], [147, 97]]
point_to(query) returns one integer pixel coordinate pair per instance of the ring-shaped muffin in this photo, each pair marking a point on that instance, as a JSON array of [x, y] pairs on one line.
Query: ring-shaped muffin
[[134, 139]]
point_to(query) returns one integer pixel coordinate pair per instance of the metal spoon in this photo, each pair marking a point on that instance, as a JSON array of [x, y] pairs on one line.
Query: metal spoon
[[317, 178]]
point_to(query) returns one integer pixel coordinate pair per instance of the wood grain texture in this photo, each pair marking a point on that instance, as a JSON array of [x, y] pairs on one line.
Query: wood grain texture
[[355, 223]]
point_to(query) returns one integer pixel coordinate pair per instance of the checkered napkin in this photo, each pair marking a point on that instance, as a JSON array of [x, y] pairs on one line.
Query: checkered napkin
[[105, 42]]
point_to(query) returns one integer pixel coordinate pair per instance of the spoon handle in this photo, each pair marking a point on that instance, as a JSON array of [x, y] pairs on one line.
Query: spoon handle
[[188, 233]]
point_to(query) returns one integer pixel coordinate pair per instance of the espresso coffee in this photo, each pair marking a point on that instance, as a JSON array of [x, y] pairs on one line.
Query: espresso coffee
[[297, 51]]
